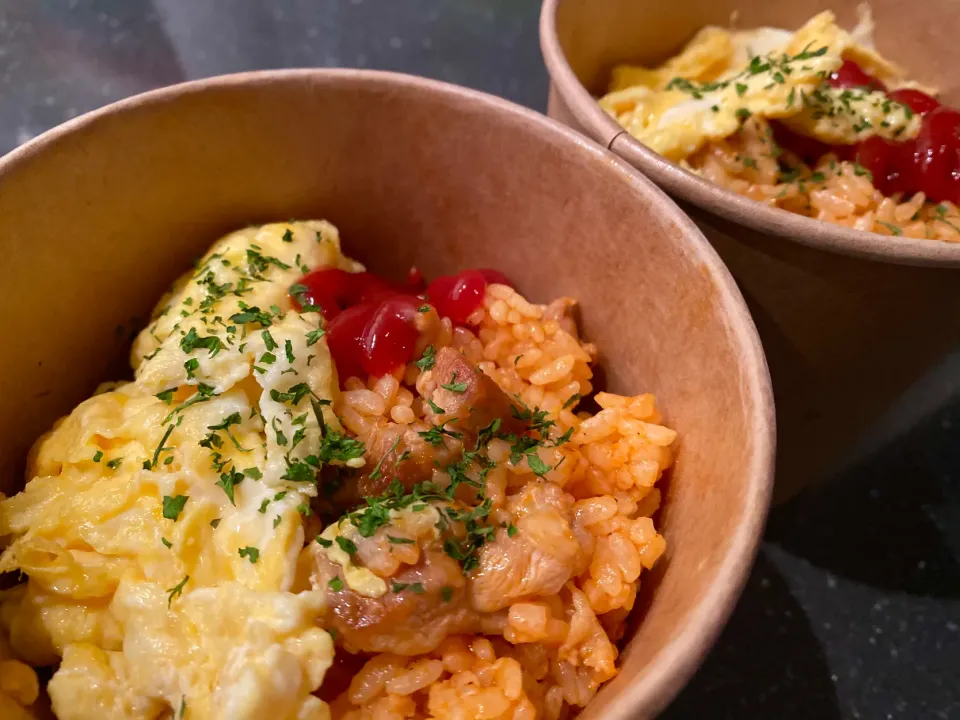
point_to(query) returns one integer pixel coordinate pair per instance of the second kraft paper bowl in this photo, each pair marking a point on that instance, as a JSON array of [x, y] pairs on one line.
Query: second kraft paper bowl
[[848, 319]]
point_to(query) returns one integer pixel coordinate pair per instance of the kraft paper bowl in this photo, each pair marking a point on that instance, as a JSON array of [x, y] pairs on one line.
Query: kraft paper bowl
[[99, 215], [848, 319]]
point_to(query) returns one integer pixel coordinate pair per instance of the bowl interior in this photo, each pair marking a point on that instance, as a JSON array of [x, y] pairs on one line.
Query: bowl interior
[[98, 216], [584, 39]]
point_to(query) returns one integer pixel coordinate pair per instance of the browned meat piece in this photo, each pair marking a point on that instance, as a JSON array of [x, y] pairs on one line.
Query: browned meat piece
[[425, 603], [428, 597], [542, 555], [469, 400], [562, 311], [399, 451]]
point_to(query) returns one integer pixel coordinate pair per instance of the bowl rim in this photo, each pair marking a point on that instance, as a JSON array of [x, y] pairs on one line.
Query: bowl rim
[[677, 660], [720, 201]]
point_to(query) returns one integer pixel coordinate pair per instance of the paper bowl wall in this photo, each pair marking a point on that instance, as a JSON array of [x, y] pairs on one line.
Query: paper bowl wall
[[99, 215]]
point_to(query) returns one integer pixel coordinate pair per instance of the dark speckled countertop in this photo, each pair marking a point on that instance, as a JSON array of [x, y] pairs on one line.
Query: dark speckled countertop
[[853, 608]]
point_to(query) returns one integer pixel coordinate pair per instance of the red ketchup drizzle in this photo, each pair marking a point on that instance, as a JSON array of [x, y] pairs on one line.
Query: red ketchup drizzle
[[917, 101], [457, 296], [929, 163], [851, 75], [371, 325], [415, 282], [806, 148]]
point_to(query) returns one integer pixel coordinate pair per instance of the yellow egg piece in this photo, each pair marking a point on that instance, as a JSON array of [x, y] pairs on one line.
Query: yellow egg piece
[[162, 519], [723, 77]]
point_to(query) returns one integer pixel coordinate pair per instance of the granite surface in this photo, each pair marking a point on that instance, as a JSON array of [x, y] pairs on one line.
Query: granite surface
[[853, 608]]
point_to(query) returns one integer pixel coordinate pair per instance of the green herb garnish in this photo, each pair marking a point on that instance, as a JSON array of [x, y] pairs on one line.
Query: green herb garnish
[[191, 367], [160, 448], [228, 481], [204, 393], [251, 315], [176, 590], [313, 337], [191, 341], [537, 465], [428, 359], [375, 475], [453, 386], [346, 544], [293, 395], [173, 506]]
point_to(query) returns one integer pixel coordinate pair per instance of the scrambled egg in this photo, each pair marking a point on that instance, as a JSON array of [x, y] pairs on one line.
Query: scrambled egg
[[163, 519], [19, 687], [722, 77]]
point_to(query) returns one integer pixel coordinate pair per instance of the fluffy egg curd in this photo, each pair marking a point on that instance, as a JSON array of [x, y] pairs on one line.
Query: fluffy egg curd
[[724, 77], [161, 525]]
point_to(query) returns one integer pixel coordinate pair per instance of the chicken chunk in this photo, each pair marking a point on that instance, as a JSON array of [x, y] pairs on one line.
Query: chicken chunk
[[424, 604], [395, 588], [401, 452], [471, 401], [401, 577], [537, 560], [466, 399]]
